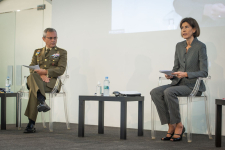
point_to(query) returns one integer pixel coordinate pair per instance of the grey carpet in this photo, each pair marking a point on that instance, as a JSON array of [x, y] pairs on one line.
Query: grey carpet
[[61, 138]]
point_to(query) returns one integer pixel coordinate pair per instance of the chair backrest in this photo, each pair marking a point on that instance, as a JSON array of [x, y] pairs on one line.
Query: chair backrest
[[197, 85], [61, 80]]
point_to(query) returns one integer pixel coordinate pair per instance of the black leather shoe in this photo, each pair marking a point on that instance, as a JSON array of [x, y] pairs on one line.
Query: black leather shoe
[[30, 128], [167, 138], [43, 107], [180, 138]]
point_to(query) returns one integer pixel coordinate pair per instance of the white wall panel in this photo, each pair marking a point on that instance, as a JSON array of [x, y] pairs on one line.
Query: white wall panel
[[21, 33], [7, 45]]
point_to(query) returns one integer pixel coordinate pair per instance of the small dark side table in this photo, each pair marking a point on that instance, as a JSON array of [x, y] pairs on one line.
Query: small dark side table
[[123, 113], [3, 97], [219, 103]]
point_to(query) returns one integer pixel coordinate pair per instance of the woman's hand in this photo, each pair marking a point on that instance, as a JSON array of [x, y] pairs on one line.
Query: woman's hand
[[180, 74], [168, 76]]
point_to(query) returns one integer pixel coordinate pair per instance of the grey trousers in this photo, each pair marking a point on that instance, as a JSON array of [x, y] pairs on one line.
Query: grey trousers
[[166, 102]]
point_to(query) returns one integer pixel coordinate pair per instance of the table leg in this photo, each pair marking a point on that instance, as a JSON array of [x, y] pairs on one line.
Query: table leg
[[17, 98], [123, 120], [19, 103], [218, 125], [3, 112], [101, 117], [81, 118], [140, 117]]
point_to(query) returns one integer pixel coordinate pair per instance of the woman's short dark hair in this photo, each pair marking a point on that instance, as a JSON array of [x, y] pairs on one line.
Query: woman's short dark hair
[[193, 23]]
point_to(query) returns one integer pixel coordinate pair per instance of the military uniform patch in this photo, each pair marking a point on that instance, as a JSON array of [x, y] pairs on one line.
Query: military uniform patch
[[56, 55], [38, 52]]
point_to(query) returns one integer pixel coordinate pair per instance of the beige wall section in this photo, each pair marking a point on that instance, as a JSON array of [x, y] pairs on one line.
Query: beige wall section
[[21, 33]]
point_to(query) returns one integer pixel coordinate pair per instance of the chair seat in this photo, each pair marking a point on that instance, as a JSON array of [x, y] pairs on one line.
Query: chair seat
[[189, 96]]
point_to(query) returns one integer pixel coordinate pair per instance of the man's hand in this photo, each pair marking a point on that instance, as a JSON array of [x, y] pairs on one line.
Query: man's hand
[[45, 78], [41, 71], [168, 76], [180, 74]]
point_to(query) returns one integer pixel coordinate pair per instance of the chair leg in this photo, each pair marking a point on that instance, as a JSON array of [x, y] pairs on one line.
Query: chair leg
[[207, 118], [153, 121], [189, 119], [43, 119], [51, 103], [182, 115], [66, 111]]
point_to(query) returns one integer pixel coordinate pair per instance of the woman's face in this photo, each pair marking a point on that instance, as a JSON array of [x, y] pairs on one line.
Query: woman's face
[[187, 31]]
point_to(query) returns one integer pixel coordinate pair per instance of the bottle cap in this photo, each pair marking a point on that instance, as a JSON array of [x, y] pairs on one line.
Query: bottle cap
[[106, 77], [99, 83]]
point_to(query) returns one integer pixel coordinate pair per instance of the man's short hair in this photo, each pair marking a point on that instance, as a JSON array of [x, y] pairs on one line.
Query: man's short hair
[[48, 30]]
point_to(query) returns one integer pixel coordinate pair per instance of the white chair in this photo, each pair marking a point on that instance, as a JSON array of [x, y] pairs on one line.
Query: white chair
[[24, 94], [188, 101]]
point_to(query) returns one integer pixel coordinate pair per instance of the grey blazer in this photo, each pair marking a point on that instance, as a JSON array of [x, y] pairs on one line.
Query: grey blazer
[[194, 62]]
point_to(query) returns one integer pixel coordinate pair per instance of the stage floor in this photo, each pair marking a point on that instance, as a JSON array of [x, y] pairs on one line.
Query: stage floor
[[61, 138]]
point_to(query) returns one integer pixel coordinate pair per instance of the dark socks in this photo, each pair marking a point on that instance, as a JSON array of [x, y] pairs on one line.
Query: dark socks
[[40, 97], [31, 122]]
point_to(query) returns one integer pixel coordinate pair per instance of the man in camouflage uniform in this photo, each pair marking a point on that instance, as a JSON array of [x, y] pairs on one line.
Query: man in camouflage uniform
[[52, 62]]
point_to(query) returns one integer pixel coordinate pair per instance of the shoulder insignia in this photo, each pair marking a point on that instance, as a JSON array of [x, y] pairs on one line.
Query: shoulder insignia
[[38, 52]]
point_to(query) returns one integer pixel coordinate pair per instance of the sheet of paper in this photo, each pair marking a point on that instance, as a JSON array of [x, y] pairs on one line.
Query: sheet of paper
[[33, 67], [129, 92], [168, 72]]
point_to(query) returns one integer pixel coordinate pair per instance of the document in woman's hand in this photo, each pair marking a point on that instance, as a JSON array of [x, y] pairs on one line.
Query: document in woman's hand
[[168, 72]]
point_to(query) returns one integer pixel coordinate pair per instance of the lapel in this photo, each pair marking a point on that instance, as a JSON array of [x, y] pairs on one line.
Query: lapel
[[190, 49], [43, 53], [183, 51]]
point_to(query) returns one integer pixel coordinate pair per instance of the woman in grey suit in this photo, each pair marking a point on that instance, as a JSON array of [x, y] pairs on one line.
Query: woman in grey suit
[[190, 63]]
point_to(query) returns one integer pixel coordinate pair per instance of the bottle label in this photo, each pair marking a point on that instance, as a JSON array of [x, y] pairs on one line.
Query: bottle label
[[106, 87]]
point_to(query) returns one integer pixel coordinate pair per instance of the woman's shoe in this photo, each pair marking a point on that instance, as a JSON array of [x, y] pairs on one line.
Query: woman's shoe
[[167, 138], [180, 138]]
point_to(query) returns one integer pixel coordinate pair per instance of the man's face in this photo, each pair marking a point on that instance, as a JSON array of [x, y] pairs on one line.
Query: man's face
[[50, 39]]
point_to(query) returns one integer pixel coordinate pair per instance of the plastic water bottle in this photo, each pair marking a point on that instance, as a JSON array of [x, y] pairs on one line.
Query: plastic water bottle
[[106, 86], [98, 89], [7, 85]]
